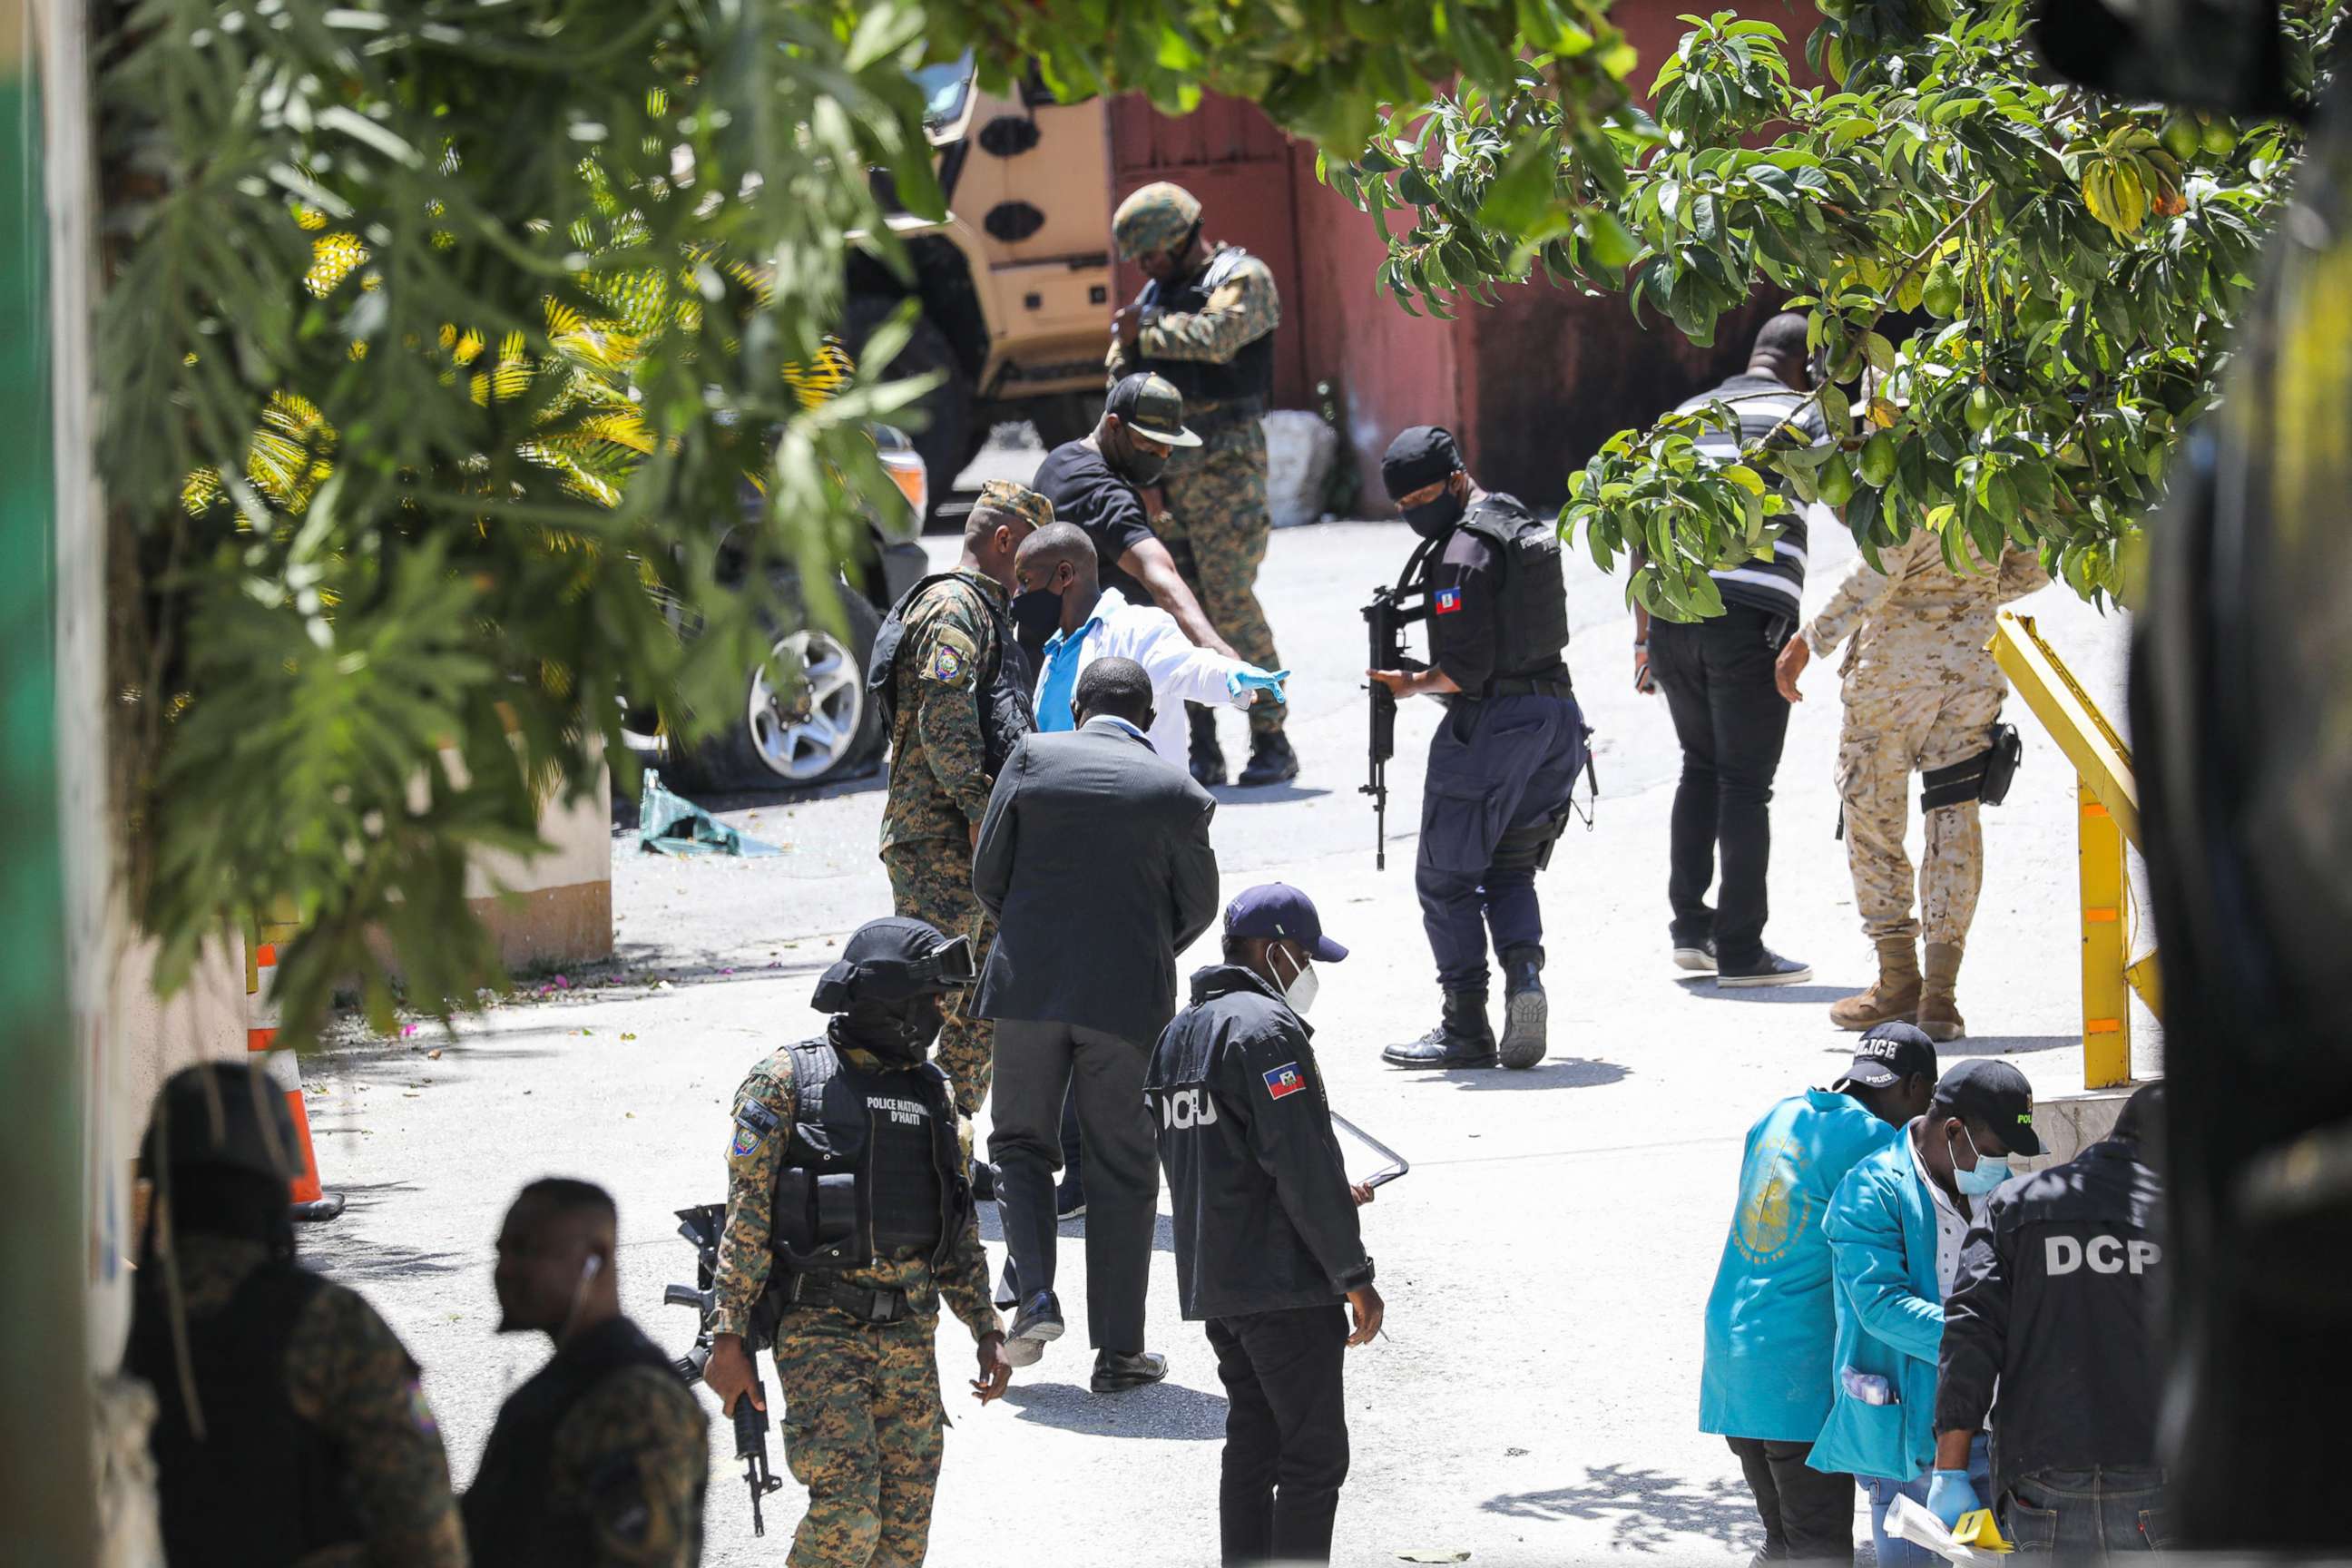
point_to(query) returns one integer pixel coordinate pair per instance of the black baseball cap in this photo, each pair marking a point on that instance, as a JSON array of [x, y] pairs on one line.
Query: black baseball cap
[[1996, 1094], [1273, 909], [1419, 456], [1889, 1052], [1151, 406]]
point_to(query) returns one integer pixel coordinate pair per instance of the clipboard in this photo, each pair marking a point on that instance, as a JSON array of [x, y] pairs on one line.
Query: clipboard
[[1357, 1148]]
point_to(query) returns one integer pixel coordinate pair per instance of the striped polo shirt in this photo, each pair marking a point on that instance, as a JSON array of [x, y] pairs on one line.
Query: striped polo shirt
[[1776, 586]]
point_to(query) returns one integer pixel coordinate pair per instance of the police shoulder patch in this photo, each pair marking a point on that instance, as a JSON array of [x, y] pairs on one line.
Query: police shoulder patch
[[753, 1123], [1284, 1080], [951, 657]]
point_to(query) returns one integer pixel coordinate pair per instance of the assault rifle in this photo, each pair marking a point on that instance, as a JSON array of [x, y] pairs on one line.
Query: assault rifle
[[1392, 610], [701, 1227]]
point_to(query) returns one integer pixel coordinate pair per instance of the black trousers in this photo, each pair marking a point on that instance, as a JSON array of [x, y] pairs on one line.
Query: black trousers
[[1731, 721], [1039, 1066], [1286, 1433], [1808, 1516]]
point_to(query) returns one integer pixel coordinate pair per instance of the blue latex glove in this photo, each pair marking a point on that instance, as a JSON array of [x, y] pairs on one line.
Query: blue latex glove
[[1250, 678], [1951, 1494]]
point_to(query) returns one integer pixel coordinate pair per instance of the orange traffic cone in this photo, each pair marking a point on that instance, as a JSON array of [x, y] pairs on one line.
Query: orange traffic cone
[[280, 1063]]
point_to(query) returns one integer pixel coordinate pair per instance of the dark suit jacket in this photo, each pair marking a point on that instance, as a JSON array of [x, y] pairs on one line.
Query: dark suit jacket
[[1095, 858]]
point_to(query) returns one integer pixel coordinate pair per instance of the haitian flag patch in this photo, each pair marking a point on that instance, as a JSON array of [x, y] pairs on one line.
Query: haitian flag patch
[[1284, 1079], [1446, 601]]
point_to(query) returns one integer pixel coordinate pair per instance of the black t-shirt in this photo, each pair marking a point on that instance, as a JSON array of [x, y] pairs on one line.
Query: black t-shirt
[[1086, 491]]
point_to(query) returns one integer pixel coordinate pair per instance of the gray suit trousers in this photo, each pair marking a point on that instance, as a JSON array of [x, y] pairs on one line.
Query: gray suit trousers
[[1037, 1064]]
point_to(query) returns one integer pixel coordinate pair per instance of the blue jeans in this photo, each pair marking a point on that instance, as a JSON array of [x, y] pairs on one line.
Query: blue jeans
[[2083, 1514], [1893, 1553]]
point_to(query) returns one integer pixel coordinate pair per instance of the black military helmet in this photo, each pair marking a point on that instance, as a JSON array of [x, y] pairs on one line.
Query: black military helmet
[[891, 960], [221, 1114]]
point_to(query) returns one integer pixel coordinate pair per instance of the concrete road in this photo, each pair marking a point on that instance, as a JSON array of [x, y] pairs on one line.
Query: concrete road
[[1544, 1265]]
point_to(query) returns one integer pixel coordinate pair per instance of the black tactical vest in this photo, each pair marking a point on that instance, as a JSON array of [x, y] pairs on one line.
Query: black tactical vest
[[1248, 375], [1532, 601], [264, 1487], [871, 1166], [1000, 690], [509, 1519]]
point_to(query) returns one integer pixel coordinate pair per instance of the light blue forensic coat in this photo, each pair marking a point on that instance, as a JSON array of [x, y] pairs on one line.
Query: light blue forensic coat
[[1770, 1319], [1890, 1318]]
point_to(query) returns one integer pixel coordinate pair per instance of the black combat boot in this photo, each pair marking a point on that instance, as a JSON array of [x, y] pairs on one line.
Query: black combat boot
[[1272, 761], [1525, 1009], [1207, 759], [1463, 1040]]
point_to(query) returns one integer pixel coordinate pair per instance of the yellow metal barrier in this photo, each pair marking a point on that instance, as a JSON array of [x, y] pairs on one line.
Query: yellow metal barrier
[[2106, 818]]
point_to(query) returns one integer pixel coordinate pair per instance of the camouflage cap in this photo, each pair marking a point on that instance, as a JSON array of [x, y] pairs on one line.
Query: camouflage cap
[[1020, 501], [1155, 218]]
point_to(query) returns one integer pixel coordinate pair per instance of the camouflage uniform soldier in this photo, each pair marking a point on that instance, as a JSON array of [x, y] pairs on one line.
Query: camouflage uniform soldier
[[292, 1432], [1921, 693], [601, 1458], [1206, 322], [955, 692], [848, 1219]]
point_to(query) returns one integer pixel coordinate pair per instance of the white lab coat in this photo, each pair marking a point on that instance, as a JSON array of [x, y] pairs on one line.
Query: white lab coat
[[1180, 672]]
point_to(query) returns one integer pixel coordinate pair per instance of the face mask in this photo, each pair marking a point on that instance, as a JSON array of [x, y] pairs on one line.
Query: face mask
[[1037, 615], [1300, 992], [1142, 469], [901, 1033], [1989, 1172], [1434, 518]]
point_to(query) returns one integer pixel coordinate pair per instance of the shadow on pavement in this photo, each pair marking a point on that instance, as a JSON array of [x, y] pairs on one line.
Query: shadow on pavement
[[1649, 1511], [1163, 1410], [1265, 794], [642, 963], [718, 802], [403, 1061], [2006, 1045], [1703, 986], [1073, 1232], [1556, 1073], [349, 1258]]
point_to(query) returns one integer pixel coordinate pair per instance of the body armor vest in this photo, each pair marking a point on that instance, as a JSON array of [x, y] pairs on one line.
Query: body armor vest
[[1532, 601], [871, 1167], [507, 1516], [1248, 375], [1000, 690], [264, 1487]]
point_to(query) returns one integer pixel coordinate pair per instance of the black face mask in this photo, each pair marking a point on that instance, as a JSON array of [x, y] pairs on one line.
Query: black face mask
[[1435, 518], [1036, 617], [900, 1033], [1142, 469]]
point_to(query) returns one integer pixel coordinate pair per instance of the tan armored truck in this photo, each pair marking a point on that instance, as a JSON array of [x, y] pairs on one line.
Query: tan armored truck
[[1015, 285]]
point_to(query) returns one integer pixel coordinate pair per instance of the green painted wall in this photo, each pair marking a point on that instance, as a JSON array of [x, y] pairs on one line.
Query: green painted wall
[[45, 1453]]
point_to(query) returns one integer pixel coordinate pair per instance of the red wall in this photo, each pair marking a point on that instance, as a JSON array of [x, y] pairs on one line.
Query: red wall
[[1230, 155], [1390, 370], [1531, 387]]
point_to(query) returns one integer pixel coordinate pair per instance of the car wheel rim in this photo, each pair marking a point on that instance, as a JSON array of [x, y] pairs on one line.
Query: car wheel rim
[[804, 742]]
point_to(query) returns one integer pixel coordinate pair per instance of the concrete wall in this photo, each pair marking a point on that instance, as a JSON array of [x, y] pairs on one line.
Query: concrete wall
[[2069, 1123], [557, 908]]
